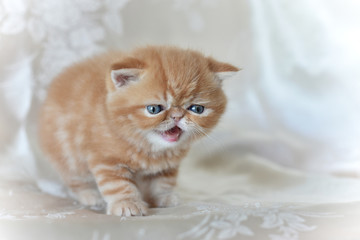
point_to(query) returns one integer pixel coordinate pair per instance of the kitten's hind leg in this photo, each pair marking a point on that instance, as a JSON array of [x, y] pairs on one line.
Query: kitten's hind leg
[[81, 184], [85, 191], [159, 192], [77, 177]]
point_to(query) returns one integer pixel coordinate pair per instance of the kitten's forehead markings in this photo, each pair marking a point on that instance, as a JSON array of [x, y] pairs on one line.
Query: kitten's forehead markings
[[170, 100], [174, 101], [182, 90]]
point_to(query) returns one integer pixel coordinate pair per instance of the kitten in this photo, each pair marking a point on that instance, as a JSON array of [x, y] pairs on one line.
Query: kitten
[[117, 126]]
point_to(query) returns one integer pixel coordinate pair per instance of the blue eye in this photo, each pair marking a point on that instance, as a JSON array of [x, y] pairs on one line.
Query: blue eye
[[154, 109], [197, 109]]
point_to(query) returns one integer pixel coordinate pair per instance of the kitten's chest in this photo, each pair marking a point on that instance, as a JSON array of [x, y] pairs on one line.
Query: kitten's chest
[[152, 163]]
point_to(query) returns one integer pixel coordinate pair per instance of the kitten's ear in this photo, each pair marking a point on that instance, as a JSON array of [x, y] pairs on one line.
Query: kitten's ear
[[121, 77], [222, 70], [126, 71]]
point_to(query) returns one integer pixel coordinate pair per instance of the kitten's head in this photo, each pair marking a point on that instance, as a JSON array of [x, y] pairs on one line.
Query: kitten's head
[[166, 96]]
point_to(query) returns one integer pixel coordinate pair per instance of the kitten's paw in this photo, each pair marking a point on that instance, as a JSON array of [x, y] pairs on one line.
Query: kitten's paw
[[90, 197], [166, 200], [127, 208]]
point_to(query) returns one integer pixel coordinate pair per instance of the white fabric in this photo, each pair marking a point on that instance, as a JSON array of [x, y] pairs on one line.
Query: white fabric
[[283, 164]]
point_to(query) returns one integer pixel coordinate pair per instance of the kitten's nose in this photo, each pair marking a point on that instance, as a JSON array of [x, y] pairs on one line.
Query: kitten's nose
[[177, 114], [176, 119]]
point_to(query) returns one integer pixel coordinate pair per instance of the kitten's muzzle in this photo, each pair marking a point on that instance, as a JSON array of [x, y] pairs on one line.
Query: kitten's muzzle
[[172, 135]]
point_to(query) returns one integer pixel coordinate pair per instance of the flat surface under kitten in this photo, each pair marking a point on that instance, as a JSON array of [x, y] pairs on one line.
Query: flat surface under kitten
[[117, 126]]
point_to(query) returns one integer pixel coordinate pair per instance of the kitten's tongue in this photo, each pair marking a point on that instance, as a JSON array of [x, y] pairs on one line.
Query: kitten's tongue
[[172, 135]]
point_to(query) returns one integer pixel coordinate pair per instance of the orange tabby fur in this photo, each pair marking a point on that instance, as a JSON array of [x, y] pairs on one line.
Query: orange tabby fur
[[103, 142]]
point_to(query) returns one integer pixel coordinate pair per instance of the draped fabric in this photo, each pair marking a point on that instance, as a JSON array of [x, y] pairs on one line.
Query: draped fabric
[[284, 163]]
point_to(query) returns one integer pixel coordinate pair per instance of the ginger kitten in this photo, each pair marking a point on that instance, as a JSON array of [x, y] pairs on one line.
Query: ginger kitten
[[117, 126]]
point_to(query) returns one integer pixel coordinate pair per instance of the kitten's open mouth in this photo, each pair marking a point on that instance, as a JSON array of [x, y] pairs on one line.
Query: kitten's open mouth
[[172, 135]]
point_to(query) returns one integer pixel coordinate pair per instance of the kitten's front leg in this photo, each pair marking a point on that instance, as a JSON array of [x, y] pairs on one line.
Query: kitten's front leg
[[118, 187], [160, 192]]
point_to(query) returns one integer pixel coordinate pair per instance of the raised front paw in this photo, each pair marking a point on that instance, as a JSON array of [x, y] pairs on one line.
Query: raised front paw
[[166, 200], [127, 208]]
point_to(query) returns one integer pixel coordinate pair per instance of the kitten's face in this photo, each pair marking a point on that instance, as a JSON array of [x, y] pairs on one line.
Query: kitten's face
[[182, 115], [169, 96]]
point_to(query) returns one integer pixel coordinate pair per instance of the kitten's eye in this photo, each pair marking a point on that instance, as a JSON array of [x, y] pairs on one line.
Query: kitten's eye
[[154, 109], [197, 109]]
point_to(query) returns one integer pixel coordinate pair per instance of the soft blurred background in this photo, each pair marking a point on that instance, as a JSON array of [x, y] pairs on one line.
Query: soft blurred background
[[284, 162], [296, 101]]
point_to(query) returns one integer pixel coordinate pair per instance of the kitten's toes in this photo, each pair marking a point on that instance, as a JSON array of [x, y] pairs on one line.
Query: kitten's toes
[[127, 208], [90, 197], [167, 200]]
